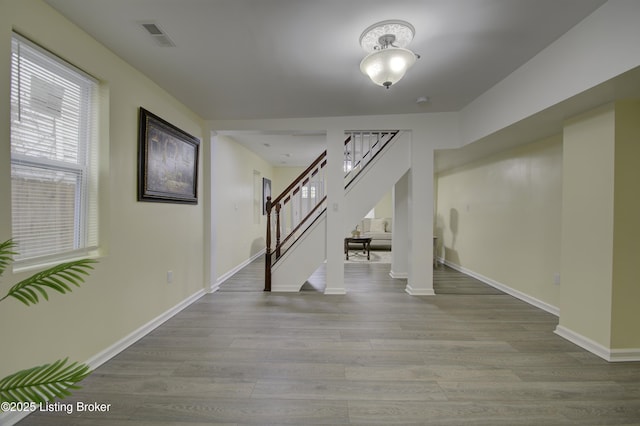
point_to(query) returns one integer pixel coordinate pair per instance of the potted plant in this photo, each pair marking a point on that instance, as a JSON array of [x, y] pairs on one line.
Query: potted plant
[[42, 383]]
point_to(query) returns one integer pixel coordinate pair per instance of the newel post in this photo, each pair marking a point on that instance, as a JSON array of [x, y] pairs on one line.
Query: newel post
[[267, 256]]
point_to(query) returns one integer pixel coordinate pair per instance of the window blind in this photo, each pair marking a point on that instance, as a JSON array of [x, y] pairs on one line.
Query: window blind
[[53, 154]]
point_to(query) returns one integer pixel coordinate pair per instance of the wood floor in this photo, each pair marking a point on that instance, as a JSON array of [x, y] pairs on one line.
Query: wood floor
[[470, 355]]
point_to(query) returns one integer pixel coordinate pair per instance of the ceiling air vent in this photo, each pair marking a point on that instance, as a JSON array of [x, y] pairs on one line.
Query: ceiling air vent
[[160, 37]]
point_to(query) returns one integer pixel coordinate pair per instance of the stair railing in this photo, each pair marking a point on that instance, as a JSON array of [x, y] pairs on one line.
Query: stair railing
[[360, 148], [292, 212]]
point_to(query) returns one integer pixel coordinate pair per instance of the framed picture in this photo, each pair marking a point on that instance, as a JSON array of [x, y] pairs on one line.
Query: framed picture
[[266, 192], [167, 162]]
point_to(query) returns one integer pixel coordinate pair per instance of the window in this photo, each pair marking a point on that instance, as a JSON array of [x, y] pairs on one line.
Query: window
[[309, 189], [53, 155]]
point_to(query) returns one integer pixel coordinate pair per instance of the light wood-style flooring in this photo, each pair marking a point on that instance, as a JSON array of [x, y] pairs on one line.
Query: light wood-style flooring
[[470, 355]]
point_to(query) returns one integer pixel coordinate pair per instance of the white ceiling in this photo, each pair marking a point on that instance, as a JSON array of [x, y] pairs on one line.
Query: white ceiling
[[283, 148], [252, 59]]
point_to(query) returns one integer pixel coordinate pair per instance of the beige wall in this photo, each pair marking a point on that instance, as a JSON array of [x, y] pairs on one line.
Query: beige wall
[[140, 242], [384, 208], [237, 235], [283, 176], [587, 224], [565, 204], [626, 246], [500, 217], [600, 228]]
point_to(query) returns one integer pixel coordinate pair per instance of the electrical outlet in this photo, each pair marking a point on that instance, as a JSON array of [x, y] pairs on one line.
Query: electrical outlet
[[169, 277], [556, 278]]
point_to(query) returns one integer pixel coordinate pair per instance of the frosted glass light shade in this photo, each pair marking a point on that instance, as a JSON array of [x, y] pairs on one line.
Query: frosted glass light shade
[[386, 67]]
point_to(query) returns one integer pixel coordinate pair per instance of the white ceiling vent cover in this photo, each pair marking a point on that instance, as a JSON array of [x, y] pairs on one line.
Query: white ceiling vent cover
[[160, 37]]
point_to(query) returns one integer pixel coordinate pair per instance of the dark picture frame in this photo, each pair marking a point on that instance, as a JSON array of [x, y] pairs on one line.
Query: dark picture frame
[[266, 192], [167, 161]]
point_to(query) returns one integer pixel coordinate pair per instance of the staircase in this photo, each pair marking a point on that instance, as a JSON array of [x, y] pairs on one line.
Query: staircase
[[296, 220]]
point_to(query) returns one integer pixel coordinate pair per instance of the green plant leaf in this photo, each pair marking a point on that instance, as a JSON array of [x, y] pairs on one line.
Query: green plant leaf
[[43, 383], [55, 278], [6, 254]]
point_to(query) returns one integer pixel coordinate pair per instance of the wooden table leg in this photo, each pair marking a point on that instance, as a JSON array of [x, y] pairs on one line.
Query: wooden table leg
[[346, 250]]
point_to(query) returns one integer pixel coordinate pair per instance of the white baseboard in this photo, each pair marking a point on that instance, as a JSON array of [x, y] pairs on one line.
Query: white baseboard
[[11, 418], [610, 355], [624, 355], [216, 285], [502, 287], [399, 275], [419, 291]]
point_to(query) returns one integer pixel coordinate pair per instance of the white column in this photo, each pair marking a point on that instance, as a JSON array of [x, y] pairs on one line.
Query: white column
[[335, 207], [420, 281], [400, 228]]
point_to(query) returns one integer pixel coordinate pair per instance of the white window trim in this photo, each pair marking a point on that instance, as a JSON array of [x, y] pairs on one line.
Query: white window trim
[[86, 238]]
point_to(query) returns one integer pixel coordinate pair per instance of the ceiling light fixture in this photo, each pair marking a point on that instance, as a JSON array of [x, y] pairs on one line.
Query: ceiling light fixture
[[388, 59]]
